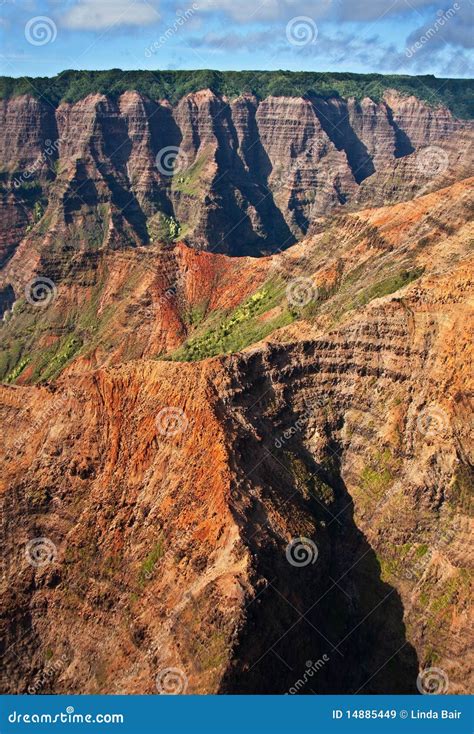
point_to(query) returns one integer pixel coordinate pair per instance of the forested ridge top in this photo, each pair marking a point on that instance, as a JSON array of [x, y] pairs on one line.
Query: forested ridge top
[[70, 86]]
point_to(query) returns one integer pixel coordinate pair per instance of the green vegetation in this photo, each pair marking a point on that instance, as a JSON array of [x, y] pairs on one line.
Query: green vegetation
[[213, 652], [240, 329], [309, 483], [431, 657], [38, 211], [195, 315], [187, 182], [396, 560], [150, 562], [15, 373], [439, 597], [10, 355], [162, 228], [379, 473], [462, 490], [71, 85], [387, 286], [64, 353]]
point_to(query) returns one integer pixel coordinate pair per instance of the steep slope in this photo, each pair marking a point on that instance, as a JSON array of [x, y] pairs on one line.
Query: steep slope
[[177, 303], [174, 496], [232, 175]]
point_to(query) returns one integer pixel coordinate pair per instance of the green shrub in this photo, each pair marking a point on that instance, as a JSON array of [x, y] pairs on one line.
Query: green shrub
[[72, 85], [150, 562], [388, 285], [240, 329]]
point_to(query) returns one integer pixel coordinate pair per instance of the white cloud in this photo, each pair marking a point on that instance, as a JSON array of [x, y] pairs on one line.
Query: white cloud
[[451, 25], [251, 11], [97, 15], [244, 11], [364, 10]]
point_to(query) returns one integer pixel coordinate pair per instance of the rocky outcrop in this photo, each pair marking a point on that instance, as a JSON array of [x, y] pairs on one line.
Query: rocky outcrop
[[109, 307], [236, 468], [171, 494], [236, 176], [241, 518]]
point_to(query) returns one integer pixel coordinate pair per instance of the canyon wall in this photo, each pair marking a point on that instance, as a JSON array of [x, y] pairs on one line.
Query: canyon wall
[[307, 497], [241, 176], [235, 467]]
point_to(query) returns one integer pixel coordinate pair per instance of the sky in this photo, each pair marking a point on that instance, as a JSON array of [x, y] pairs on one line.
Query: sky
[[44, 37]]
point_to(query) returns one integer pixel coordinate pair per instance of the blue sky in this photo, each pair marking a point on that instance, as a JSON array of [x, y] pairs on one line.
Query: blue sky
[[44, 37]]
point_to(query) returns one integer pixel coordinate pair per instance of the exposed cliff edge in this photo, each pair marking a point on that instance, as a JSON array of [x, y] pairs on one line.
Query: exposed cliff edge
[[237, 176], [171, 492], [236, 468]]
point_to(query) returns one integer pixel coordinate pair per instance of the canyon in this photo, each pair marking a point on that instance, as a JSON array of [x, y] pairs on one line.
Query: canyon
[[236, 395]]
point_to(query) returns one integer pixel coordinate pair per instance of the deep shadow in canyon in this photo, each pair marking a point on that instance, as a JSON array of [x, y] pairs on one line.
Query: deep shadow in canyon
[[338, 605]]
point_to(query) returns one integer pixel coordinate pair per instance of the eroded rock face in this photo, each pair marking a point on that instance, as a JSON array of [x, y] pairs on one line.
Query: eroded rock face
[[237, 177], [176, 494], [171, 547], [153, 511]]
